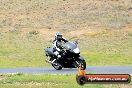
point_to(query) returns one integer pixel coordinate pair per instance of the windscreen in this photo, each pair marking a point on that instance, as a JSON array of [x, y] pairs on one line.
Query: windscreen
[[70, 45]]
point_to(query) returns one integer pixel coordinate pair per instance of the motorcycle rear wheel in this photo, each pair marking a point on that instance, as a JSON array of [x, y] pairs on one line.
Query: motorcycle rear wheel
[[57, 67]]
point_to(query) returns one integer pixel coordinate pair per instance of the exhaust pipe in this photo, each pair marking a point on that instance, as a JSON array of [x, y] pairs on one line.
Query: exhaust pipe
[[51, 62]]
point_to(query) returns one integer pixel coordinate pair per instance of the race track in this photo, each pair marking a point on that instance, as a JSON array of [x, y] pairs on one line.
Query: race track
[[50, 70]]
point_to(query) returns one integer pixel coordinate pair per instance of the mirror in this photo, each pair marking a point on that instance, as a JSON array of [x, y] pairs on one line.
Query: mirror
[[77, 41]]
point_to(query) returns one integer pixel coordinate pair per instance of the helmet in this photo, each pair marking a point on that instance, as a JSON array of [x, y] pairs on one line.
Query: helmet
[[58, 36]]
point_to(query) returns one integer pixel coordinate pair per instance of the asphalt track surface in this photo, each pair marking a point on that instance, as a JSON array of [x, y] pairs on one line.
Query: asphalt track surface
[[51, 70]]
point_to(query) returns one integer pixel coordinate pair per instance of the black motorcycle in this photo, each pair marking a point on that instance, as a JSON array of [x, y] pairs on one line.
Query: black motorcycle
[[70, 57]]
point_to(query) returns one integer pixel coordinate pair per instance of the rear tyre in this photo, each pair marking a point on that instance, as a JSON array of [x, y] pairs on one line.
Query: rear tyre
[[57, 66]]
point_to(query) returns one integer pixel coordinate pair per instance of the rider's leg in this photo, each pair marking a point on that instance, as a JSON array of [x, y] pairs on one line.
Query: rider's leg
[[57, 54]]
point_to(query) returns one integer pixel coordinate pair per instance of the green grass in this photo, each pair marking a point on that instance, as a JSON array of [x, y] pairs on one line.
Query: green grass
[[107, 48], [27, 50], [105, 59], [46, 81], [19, 51], [130, 33]]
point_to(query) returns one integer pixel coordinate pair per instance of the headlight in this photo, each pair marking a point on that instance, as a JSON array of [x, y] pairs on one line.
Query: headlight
[[76, 50]]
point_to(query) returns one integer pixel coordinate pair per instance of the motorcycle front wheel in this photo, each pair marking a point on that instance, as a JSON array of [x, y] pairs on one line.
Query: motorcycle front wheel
[[83, 64]]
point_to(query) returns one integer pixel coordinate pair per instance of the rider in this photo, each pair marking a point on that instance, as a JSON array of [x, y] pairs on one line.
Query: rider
[[57, 43]]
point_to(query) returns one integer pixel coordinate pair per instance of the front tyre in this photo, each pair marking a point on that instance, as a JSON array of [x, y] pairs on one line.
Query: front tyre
[[83, 64]]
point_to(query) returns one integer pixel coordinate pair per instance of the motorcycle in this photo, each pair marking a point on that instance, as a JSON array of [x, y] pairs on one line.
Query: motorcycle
[[70, 57]]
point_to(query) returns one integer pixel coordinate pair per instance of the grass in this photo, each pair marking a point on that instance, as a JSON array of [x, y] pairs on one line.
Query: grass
[[47, 81], [66, 15], [130, 33], [105, 59], [28, 26], [25, 49], [21, 52]]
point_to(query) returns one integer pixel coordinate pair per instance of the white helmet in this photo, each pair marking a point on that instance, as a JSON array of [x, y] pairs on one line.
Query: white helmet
[[58, 35]]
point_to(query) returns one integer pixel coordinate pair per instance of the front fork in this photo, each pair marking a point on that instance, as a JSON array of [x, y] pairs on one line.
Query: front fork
[[76, 64]]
